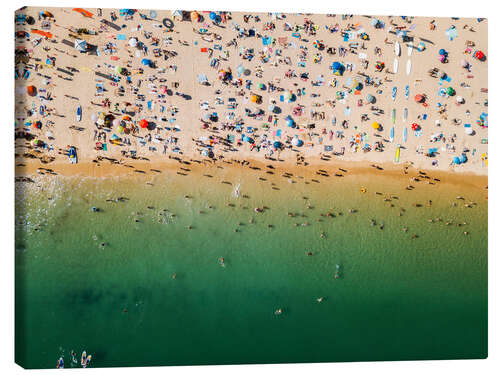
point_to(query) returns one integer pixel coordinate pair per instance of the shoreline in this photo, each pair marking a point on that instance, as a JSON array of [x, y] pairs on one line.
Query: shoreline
[[147, 169]]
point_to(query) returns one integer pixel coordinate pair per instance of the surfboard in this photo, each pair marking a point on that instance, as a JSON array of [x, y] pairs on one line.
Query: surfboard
[[410, 48], [398, 152], [79, 114], [408, 67], [397, 48], [396, 64], [391, 138]]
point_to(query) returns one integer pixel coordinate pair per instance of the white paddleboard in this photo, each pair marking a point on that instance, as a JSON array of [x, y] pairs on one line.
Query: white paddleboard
[[410, 48], [396, 64], [397, 48], [408, 67]]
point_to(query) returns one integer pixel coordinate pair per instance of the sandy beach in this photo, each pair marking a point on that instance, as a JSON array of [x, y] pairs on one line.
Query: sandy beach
[[304, 113]]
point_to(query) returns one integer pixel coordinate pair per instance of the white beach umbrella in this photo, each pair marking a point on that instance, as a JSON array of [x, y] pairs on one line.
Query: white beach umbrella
[[132, 42]]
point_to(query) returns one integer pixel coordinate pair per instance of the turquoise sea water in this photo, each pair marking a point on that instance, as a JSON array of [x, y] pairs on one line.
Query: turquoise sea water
[[397, 298]]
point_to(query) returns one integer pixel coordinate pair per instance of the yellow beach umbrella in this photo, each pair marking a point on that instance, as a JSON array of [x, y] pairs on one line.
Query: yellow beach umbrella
[[375, 125]]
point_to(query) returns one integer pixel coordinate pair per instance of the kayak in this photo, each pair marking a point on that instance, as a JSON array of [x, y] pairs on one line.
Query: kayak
[[391, 138], [396, 64], [405, 114], [393, 116], [398, 152], [407, 92], [79, 114], [394, 91], [405, 134], [408, 67], [397, 48]]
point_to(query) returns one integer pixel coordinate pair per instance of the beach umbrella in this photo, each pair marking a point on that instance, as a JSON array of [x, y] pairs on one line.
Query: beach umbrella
[[255, 98], [277, 144], [460, 100], [195, 17], [463, 158], [143, 123], [212, 16], [469, 131], [202, 78], [338, 68], [289, 122], [114, 137], [120, 129], [132, 42], [479, 55], [297, 142], [118, 69], [126, 118], [374, 22], [415, 126], [419, 98], [271, 107], [456, 160], [100, 121], [450, 91], [370, 98], [375, 125], [46, 14], [80, 45], [163, 89], [31, 90], [116, 122], [146, 62]]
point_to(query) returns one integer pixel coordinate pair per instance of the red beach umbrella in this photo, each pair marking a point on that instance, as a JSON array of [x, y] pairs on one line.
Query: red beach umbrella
[[143, 123], [479, 55], [415, 126], [419, 98]]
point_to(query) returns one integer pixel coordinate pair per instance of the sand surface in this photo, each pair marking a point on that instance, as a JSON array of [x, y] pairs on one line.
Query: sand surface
[[179, 73]]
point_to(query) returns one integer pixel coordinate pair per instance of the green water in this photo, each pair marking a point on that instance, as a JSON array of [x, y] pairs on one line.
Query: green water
[[398, 298]]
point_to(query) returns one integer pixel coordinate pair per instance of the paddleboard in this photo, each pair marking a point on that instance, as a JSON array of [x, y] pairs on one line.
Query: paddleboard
[[391, 138], [410, 48], [397, 48], [405, 134], [394, 91], [393, 117], [408, 67], [79, 114], [396, 64], [398, 152], [407, 92], [405, 114]]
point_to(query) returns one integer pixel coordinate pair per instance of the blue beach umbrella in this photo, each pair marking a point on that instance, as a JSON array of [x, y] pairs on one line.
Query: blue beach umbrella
[[277, 144], [146, 62], [456, 160], [213, 16]]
